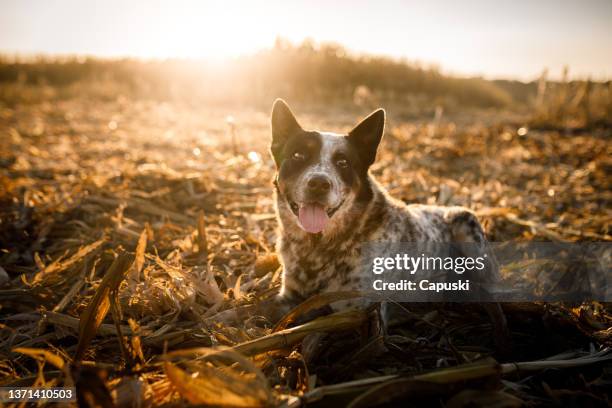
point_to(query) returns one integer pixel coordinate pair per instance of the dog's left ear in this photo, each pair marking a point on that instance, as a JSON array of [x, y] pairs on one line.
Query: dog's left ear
[[284, 124], [367, 134]]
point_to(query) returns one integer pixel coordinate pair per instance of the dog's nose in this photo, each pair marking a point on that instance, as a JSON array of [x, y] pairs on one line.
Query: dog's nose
[[319, 185]]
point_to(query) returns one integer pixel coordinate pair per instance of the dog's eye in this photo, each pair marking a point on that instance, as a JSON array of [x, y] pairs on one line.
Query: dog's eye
[[342, 163], [299, 156]]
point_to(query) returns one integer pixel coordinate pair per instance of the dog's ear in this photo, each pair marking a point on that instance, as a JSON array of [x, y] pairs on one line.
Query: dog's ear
[[367, 134], [284, 125]]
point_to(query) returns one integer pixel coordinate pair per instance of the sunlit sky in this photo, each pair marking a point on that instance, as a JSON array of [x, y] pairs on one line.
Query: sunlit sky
[[509, 39]]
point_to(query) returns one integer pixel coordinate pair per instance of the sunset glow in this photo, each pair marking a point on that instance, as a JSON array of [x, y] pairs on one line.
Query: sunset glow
[[515, 40]]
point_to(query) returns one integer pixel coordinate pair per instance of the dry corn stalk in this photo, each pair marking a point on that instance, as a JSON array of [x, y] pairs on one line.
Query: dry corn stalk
[[96, 311], [378, 390], [237, 382]]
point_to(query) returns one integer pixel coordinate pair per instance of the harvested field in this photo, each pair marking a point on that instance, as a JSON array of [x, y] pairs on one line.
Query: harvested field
[[137, 249]]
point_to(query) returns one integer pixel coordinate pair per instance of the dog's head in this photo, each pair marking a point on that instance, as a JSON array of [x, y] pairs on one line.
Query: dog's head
[[320, 175]]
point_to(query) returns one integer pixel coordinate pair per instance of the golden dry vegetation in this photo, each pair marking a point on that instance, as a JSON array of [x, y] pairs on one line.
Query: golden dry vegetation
[[137, 247]]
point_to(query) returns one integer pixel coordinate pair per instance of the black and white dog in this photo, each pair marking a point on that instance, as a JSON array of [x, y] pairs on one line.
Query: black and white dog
[[329, 206]]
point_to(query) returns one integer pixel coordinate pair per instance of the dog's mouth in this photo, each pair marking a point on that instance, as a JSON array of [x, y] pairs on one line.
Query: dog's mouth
[[313, 217]]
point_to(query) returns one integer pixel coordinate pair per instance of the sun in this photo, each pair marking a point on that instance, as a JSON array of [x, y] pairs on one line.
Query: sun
[[205, 30]]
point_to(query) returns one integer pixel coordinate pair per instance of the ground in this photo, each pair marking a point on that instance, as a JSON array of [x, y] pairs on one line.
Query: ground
[[89, 185]]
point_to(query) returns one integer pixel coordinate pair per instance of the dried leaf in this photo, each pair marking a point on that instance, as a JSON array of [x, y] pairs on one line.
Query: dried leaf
[[96, 311], [43, 355], [313, 303], [266, 263], [216, 387], [202, 238], [141, 247], [61, 265]]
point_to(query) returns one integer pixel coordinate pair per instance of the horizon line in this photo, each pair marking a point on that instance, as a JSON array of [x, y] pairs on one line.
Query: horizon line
[[30, 57]]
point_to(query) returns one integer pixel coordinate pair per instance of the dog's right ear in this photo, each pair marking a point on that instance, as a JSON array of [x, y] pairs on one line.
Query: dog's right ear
[[284, 124], [367, 134]]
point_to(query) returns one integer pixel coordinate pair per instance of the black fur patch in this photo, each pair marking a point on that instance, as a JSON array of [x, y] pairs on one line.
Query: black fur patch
[[304, 143]]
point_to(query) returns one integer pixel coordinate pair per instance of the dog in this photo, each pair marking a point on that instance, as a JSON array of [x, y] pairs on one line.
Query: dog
[[329, 206]]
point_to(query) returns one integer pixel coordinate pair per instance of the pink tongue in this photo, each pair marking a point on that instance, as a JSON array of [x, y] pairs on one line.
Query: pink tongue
[[313, 218]]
